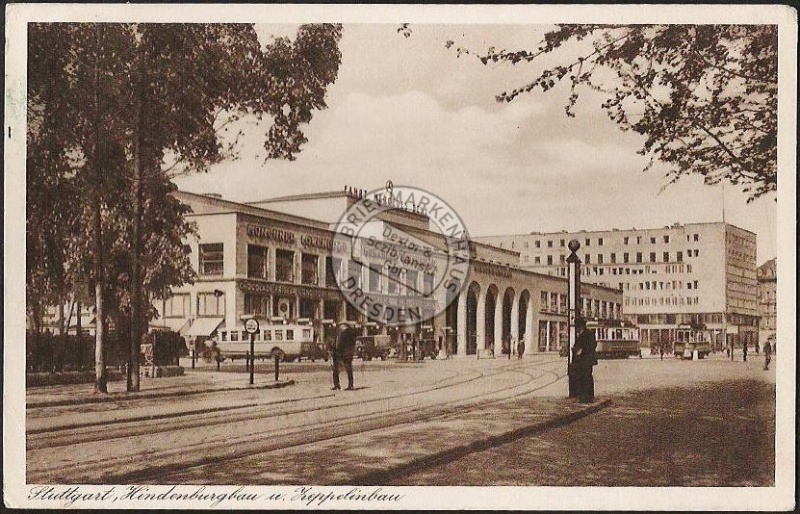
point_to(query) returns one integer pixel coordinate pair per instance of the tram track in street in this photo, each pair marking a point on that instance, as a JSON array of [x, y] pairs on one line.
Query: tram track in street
[[311, 430], [54, 436], [69, 434]]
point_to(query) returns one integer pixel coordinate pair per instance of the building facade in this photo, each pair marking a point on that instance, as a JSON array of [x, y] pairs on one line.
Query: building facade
[[264, 259], [691, 274], [767, 299]]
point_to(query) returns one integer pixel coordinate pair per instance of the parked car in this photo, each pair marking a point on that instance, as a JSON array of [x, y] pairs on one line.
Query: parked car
[[374, 347], [427, 349], [313, 351]]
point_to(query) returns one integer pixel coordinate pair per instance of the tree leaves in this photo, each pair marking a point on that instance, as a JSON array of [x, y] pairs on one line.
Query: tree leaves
[[704, 96], [198, 80]]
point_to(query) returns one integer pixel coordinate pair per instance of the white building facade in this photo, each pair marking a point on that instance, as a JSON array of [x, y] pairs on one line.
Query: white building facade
[[265, 260], [690, 274]]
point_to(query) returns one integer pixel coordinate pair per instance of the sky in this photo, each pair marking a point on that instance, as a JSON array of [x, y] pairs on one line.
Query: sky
[[409, 110]]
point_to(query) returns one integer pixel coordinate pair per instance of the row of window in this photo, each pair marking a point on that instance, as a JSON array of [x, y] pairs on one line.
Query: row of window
[[588, 241], [658, 285], [258, 265], [556, 303], [599, 270], [626, 258], [662, 300], [208, 304], [265, 334], [392, 280], [676, 318]]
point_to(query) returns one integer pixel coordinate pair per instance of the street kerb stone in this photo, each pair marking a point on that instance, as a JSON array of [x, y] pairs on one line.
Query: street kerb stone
[[411, 276], [386, 475], [93, 398]]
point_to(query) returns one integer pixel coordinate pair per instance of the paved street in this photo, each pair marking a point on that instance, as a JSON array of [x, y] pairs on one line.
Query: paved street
[[716, 434], [460, 421]]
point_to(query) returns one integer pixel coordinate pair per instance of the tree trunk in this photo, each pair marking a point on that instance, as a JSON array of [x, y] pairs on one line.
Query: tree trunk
[[79, 332], [101, 377], [136, 278]]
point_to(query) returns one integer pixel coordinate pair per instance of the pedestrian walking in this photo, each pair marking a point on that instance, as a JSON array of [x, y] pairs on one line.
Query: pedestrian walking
[[744, 351], [342, 355], [757, 347], [584, 359], [520, 348], [767, 354]]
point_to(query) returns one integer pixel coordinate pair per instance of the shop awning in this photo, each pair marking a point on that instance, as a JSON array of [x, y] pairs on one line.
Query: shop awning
[[203, 326], [174, 324]]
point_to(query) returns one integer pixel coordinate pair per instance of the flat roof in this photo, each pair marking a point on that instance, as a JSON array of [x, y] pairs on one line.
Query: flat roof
[[307, 196], [615, 230]]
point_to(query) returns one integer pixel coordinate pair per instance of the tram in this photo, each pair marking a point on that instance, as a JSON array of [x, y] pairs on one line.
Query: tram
[[690, 340], [286, 341], [616, 339]]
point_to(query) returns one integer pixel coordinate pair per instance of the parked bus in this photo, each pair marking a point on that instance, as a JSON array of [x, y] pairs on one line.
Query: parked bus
[[285, 341], [690, 339]]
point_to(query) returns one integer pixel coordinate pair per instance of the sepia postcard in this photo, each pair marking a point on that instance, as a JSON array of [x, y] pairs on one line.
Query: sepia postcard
[[385, 257]]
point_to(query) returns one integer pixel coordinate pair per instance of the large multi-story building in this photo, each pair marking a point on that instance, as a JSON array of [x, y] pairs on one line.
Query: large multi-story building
[[767, 299], [690, 274], [279, 258]]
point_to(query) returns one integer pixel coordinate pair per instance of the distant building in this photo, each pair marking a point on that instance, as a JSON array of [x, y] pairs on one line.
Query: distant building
[[278, 258], [767, 299], [692, 274]]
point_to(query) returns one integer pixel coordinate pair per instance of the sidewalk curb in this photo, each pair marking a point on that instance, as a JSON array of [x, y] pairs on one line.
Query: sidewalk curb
[[144, 395], [385, 476]]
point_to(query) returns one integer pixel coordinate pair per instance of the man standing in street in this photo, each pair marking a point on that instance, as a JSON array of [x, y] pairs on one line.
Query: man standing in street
[[744, 351], [343, 355], [584, 359], [767, 354]]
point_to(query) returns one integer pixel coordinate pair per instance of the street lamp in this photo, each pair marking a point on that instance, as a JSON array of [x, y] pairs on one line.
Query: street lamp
[[573, 294]]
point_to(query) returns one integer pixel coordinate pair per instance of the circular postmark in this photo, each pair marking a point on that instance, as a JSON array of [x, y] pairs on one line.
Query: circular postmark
[[408, 255]]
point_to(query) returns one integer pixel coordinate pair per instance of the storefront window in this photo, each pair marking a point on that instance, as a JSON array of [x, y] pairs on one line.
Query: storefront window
[[411, 282], [375, 278], [257, 261], [353, 274], [177, 306], [308, 308], [255, 304], [427, 284], [332, 266], [310, 269], [284, 266], [394, 280], [210, 304], [211, 259]]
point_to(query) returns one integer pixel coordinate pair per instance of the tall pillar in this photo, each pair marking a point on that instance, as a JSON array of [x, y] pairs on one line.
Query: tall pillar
[[461, 322], [547, 336], [515, 320], [498, 323], [480, 339], [530, 330], [439, 322], [271, 263]]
